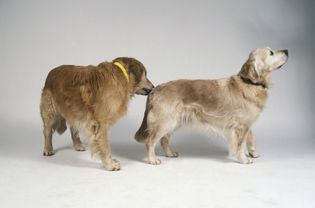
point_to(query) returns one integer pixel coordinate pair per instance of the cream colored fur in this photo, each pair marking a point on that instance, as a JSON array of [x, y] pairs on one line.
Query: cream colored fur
[[227, 106]]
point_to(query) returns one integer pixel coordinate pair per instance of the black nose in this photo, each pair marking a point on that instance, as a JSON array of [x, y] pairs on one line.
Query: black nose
[[147, 90], [286, 52]]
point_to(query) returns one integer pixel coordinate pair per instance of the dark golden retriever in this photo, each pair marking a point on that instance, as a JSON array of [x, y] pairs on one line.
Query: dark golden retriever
[[91, 99]]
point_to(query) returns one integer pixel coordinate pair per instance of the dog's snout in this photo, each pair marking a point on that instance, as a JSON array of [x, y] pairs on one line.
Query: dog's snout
[[149, 86], [147, 90], [286, 52], [144, 91]]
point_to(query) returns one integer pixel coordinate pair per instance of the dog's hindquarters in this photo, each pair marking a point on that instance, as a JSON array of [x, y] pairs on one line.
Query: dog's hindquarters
[[159, 121], [49, 114], [51, 120]]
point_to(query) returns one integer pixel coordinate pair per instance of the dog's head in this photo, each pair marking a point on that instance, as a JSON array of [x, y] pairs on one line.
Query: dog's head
[[139, 82], [261, 63]]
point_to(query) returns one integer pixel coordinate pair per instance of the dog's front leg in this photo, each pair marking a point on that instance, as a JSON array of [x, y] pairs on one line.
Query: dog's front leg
[[101, 148], [251, 145], [237, 145]]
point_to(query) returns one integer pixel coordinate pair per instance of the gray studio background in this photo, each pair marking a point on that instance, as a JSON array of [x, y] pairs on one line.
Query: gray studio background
[[173, 39]]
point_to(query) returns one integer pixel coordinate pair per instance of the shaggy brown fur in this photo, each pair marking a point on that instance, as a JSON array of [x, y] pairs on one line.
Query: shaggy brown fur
[[91, 99], [227, 106]]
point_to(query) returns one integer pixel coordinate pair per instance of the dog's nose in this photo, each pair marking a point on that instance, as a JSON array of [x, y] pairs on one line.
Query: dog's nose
[[286, 52], [146, 90]]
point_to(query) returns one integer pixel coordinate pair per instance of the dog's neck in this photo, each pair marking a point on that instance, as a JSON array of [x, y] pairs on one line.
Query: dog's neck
[[248, 81]]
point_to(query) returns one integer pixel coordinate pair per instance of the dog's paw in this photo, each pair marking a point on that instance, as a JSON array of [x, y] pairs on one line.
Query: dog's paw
[[79, 147], [113, 165], [172, 154], [155, 161], [48, 152], [246, 160], [254, 154]]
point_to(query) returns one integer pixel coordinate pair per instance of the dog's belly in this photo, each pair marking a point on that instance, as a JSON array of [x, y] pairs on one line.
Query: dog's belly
[[86, 116], [218, 121]]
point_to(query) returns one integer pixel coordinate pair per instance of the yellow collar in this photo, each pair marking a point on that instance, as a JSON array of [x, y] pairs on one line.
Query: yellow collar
[[122, 69]]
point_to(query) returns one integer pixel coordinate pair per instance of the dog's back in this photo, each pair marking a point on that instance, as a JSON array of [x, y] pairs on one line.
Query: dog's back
[[70, 96], [217, 105]]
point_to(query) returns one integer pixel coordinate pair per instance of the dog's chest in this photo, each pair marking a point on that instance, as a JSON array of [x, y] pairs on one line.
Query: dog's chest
[[250, 113], [252, 106]]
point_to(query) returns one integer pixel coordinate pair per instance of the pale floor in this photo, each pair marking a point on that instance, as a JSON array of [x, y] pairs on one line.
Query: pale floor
[[202, 176]]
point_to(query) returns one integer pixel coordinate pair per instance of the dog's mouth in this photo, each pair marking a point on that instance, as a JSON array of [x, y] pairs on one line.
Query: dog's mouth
[[143, 91], [280, 66], [285, 58]]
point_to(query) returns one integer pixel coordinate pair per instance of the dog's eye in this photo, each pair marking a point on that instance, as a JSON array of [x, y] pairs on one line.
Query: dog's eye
[[271, 53]]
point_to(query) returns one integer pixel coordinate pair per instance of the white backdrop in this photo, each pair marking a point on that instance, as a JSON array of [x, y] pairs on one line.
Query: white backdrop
[[173, 39]]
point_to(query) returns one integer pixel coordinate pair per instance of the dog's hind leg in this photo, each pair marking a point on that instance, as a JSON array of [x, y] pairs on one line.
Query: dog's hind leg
[[48, 148], [166, 146], [160, 129], [77, 144], [156, 134], [151, 143], [153, 139], [251, 145], [49, 118]]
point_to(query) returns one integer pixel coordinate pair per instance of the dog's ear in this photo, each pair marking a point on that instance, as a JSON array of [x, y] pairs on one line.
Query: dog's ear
[[249, 71], [135, 71], [133, 67]]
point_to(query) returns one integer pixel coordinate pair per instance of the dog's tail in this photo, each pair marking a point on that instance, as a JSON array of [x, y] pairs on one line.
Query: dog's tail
[[60, 125], [143, 132], [49, 114]]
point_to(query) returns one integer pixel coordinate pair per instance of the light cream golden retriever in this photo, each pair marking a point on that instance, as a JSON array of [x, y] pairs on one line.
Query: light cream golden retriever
[[227, 106], [90, 99]]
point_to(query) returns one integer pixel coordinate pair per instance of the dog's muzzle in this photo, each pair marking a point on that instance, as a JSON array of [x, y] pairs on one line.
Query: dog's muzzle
[[145, 90], [286, 52]]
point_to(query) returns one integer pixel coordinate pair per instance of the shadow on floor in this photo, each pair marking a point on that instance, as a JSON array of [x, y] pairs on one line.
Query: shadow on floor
[[25, 142]]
